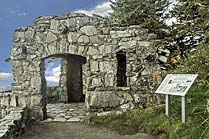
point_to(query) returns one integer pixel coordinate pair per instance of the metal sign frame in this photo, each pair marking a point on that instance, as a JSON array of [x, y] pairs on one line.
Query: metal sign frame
[[176, 84]]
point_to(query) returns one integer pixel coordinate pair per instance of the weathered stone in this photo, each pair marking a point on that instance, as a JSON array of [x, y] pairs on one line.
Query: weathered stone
[[95, 40], [128, 44], [102, 100], [106, 49], [109, 80], [119, 34], [98, 57], [127, 106], [23, 101], [89, 30], [144, 43], [51, 37], [5, 101], [74, 120], [29, 34], [13, 101], [59, 119], [163, 59], [72, 37], [106, 67], [36, 100], [54, 24], [18, 34], [94, 66], [83, 39], [92, 51], [72, 22], [96, 82]]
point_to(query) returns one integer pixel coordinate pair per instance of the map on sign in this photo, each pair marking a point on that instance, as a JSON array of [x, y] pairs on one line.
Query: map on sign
[[176, 84]]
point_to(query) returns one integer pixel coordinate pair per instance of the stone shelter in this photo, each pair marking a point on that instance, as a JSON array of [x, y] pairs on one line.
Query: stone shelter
[[106, 66]]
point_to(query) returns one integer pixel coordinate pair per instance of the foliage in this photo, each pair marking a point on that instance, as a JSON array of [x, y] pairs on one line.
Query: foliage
[[192, 23], [153, 120], [148, 13], [197, 62]]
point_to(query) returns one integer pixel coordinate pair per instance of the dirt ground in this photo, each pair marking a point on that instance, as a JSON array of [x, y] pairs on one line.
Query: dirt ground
[[74, 130]]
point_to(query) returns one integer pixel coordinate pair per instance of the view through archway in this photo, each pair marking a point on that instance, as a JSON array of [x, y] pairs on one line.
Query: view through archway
[[64, 90]]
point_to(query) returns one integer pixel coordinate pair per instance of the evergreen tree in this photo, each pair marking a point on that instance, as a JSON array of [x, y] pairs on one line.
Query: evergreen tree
[[192, 23], [192, 16], [148, 13]]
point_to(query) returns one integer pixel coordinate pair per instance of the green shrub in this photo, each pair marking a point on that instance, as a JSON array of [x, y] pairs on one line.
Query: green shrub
[[153, 120]]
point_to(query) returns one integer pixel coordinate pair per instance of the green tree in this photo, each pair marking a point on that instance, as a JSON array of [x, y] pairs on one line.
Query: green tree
[[192, 18], [189, 30], [148, 13]]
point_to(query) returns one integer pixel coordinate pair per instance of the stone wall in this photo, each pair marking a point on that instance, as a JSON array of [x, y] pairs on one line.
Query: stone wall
[[13, 125], [71, 35], [54, 95], [7, 103], [13, 119]]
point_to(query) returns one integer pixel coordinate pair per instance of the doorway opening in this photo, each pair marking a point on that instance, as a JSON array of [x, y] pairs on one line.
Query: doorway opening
[[63, 75]]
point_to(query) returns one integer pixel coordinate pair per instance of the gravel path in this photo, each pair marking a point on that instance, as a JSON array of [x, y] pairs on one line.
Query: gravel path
[[74, 130]]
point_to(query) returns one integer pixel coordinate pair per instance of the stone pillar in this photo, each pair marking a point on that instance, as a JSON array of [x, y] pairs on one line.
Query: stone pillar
[[63, 96], [29, 86]]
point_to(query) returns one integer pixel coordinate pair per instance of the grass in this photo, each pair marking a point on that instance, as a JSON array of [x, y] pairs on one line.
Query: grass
[[153, 120]]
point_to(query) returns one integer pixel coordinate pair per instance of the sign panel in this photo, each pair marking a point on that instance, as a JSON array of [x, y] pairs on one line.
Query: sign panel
[[176, 84]]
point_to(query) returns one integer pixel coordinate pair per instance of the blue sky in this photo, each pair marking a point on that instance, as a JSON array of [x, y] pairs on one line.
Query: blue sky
[[21, 13]]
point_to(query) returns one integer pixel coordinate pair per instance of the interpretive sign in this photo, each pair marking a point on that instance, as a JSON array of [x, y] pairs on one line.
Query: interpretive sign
[[176, 84]]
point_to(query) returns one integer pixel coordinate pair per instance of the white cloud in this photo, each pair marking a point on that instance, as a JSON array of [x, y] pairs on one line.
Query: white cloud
[[5, 76], [17, 12], [56, 71], [53, 75], [52, 79], [21, 14], [102, 9]]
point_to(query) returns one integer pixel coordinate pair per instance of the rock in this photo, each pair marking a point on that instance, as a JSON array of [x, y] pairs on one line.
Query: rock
[[92, 51], [94, 66], [89, 30], [97, 59], [51, 37], [163, 59], [83, 39], [74, 119], [72, 37], [144, 43], [119, 34], [48, 120], [127, 106], [104, 113], [103, 99], [59, 119]]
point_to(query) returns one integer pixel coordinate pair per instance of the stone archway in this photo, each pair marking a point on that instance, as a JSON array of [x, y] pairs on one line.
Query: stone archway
[[92, 38]]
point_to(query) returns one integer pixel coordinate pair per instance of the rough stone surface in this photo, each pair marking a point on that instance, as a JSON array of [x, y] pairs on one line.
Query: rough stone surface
[[13, 125], [90, 38], [60, 112]]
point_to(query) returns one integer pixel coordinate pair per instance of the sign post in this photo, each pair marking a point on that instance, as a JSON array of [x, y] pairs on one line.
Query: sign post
[[176, 84], [167, 105], [183, 108]]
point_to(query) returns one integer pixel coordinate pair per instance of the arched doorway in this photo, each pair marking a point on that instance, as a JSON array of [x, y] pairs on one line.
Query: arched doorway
[[70, 88]]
